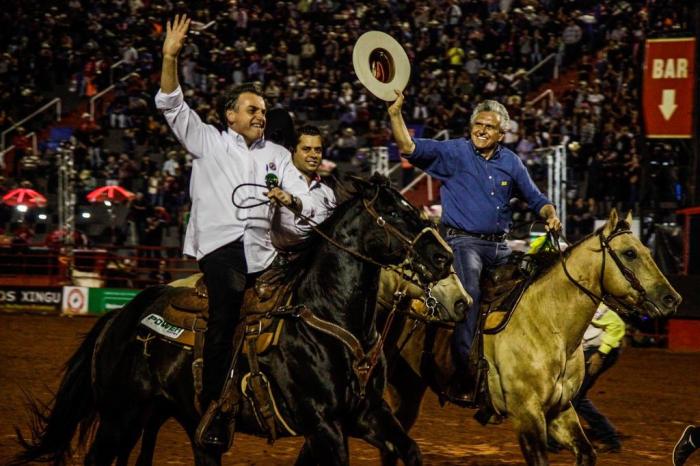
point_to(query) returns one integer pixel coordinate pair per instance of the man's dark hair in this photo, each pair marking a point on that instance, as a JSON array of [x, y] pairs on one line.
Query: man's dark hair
[[309, 130], [279, 128], [235, 92]]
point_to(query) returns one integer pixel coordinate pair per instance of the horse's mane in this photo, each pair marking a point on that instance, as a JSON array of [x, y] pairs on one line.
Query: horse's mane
[[306, 250], [547, 260]]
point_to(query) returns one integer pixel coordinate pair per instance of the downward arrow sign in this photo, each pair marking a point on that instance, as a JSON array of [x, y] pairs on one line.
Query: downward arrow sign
[[668, 103]]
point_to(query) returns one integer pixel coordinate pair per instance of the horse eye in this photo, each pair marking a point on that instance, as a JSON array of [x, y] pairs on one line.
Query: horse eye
[[630, 254]]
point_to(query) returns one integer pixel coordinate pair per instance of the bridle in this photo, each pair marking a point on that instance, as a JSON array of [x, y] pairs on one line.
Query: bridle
[[409, 244], [607, 298]]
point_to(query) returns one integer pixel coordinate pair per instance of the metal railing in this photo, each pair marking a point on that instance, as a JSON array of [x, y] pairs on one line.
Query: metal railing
[[545, 60], [114, 67], [548, 93], [55, 102], [106, 90]]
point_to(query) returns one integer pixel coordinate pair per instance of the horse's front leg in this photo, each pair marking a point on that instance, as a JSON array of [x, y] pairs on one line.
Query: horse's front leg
[[566, 429], [377, 426], [404, 393], [306, 456], [529, 421], [327, 445]]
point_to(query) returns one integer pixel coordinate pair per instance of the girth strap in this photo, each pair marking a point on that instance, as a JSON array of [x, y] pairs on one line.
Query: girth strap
[[364, 363]]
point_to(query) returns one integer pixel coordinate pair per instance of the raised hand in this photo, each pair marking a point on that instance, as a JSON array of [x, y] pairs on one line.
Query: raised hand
[[395, 108], [175, 35]]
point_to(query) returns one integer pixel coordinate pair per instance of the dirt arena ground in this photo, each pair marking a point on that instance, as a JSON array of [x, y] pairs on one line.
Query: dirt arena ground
[[650, 395]]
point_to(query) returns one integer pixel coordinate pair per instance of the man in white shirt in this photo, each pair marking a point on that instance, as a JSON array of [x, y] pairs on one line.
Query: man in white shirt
[[288, 230], [231, 240]]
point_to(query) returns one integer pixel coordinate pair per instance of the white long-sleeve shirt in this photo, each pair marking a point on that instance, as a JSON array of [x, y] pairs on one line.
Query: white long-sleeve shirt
[[222, 162], [289, 230]]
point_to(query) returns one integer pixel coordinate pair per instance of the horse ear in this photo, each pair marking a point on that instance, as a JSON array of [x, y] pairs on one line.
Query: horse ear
[[359, 184], [628, 219], [381, 180], [612, 223]]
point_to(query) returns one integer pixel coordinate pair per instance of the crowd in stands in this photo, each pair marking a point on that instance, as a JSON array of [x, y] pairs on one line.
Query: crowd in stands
[[461, 51]]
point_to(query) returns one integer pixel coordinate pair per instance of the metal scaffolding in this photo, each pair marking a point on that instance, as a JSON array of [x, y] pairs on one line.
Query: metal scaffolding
[[556, 179], [66, 199]]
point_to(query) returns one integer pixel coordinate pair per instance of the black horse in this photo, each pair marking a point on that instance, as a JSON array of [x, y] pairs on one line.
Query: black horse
[[115, 382]]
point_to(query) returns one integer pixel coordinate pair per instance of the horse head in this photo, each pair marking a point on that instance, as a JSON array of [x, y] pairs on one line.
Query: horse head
[[629, 276], [397, 233], [445, 300]]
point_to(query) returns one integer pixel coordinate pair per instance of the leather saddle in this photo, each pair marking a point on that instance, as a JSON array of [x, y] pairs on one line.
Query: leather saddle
[[501, 290], [188, 309]]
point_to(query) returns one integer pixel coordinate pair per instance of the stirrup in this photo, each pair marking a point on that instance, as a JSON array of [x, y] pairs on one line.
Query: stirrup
[[206, 424]]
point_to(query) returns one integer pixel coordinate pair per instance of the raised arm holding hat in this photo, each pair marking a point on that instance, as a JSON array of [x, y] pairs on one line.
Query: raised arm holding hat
[[478, 177]]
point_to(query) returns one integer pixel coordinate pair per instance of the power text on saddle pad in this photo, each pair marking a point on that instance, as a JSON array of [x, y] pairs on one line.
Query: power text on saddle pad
[[161, 326]]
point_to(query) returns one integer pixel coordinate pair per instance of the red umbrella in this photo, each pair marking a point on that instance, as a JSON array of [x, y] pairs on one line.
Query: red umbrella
[[24, 196], [114, 194]]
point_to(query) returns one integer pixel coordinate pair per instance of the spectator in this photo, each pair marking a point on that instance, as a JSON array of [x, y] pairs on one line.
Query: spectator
[[601, 347]]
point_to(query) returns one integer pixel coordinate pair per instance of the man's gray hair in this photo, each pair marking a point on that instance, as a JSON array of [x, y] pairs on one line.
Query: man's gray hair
[[495, 107]]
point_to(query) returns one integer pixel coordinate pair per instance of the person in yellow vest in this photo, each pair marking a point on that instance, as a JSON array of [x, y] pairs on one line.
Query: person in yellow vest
[[601, 348]]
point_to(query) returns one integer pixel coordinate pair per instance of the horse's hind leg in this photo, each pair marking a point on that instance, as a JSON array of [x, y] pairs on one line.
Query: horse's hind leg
[[116, 436], [380, 428], [150, 436], [566, 429]]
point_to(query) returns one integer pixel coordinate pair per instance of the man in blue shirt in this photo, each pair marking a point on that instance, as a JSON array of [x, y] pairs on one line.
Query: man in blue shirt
[[478, 177]]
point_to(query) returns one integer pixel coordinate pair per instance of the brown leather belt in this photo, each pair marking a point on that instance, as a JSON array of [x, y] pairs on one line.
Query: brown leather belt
[[495, 237]]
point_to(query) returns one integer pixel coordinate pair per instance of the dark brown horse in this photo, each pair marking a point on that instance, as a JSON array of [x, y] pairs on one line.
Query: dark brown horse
[[117, 387], [536, 364]]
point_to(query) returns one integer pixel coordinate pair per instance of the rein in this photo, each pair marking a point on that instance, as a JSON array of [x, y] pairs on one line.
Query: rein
[[364, 362], [605, 297], [387, 227]]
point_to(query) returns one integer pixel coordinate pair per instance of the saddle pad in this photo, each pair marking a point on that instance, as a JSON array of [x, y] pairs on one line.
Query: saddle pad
[[169, 331], [161, 327]]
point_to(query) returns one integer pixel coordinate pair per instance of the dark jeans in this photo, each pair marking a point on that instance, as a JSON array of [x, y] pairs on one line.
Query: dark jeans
[[225, 276], [601, 427], [471, 255]]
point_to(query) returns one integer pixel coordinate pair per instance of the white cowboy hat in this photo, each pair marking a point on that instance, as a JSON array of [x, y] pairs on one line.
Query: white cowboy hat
[[381, 64]]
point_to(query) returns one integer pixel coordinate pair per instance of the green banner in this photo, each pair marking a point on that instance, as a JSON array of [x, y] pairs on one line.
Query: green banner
[[101, 300]]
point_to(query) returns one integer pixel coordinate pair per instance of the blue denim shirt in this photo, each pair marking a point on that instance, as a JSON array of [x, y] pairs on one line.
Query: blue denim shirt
[[476, 192]]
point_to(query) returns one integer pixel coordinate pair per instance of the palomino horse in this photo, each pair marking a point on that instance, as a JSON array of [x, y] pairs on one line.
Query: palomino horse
[[536, 363], [317, 379]]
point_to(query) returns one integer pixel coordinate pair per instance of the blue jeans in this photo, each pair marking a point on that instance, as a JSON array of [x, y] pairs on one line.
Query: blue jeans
[[471, 255], [601, 427]]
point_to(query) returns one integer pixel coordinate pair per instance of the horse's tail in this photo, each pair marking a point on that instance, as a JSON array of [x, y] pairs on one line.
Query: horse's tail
[[74, 405]]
